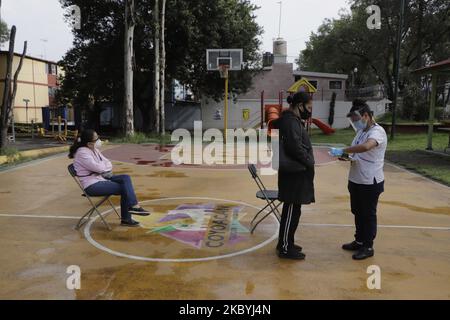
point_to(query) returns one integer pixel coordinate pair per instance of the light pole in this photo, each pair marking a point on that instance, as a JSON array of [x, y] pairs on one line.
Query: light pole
[[355, 71], [44, 42], [26, 109]]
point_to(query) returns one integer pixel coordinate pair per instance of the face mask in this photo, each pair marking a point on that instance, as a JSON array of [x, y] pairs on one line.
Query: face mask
[[305, 114], [360, 125], [98, 144]]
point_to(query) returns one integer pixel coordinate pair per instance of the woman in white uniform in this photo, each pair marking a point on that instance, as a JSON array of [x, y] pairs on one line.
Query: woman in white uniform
[[366, 178]]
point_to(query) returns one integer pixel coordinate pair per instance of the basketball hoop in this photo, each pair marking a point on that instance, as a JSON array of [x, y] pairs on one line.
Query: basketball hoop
[[223, 69]]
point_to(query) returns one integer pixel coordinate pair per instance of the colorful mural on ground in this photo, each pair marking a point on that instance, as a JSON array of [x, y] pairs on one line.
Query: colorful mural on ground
[[208, 225]]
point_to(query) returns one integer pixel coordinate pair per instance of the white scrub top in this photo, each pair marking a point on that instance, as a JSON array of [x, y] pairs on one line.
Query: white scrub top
[[367, 168]]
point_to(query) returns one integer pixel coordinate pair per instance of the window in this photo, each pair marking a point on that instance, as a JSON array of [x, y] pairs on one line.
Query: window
[[52, 92], [314, 83], [51, 69], [336, 85]]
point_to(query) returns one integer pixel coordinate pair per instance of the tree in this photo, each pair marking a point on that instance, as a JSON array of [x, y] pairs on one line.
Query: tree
[[10, 89], [342, 44], [94, 66], [163, 67], [157, 69], [130, 23]]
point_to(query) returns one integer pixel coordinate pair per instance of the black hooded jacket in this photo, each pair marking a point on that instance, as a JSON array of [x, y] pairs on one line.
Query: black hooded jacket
[[296, 188]]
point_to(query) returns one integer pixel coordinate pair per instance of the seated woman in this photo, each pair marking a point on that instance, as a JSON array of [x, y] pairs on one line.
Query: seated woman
[[95, 173]]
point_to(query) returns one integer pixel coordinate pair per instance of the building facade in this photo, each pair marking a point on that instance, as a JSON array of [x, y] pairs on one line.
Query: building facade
[[325, 83], [37, 84]]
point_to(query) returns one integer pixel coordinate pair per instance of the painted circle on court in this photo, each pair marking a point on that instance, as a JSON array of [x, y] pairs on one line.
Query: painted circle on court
[[186, 229]]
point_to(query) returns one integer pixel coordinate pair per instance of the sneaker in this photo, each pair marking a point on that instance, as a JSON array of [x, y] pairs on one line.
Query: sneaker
[[131, 223], [364, 253], [292, 255], [354, 246], [296, 247], [139, 212]]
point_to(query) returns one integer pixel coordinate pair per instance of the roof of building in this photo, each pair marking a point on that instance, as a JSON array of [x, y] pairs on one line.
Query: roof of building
[[320, 74], [302, 84], [3, 52]]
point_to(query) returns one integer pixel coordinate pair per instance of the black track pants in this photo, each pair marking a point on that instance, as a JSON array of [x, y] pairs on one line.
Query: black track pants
[[290, 219]]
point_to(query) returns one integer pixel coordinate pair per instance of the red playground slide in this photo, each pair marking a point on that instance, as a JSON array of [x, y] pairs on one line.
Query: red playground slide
[[324, 127]]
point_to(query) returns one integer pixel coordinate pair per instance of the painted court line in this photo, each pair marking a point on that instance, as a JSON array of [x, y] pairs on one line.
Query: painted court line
[[379, 226], [302, 224], [37, 216]]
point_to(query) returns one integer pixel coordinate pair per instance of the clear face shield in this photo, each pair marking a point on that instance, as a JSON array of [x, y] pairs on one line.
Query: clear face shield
[[356, 121]]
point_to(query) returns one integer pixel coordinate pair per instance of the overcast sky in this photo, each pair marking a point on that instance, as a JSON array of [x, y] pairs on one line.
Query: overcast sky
[[41, 23]]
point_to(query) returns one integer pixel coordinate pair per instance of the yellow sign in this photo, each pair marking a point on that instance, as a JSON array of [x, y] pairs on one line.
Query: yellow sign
[[246, 114]]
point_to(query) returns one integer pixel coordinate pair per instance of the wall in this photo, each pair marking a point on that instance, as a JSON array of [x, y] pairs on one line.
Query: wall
[[323, 88], [321, 111], [182, 117]]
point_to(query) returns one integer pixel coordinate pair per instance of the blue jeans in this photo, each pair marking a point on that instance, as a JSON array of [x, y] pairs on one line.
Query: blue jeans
[[117, 186]]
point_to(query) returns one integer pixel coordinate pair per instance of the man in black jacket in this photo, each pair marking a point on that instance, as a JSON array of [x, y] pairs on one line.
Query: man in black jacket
[[296, 182]]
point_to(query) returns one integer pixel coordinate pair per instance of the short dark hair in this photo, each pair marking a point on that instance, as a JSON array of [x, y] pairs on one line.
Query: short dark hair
[[299, 98], [360, 106]]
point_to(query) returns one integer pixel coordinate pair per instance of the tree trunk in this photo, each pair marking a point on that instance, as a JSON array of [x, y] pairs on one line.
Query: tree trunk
[[163, 67], [9, 92], [419, 62], [156, 47], [128, 72]]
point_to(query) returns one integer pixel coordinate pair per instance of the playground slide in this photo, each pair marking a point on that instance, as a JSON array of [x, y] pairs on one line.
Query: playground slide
[[273, 113], [324, 127]]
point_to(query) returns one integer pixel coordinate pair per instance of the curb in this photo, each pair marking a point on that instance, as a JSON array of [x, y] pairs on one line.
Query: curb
[[36, 153]]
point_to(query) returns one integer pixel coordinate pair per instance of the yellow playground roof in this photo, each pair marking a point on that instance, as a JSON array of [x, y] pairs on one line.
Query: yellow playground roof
[[302, 84]]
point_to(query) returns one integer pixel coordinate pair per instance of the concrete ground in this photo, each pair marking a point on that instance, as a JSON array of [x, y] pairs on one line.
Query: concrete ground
[[197, 245], [24, 144]]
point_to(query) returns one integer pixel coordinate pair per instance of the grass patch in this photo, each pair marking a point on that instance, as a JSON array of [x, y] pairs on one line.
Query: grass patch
[[142, 138], [429, 165], [387, 118], [343, 136], [12, 155], [19, 159]]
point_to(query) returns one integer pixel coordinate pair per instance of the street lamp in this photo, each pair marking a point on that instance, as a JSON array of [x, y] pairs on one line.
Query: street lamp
[[26, 108]]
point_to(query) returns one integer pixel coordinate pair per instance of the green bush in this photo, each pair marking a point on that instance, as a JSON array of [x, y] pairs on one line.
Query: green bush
[[12, 154], [141, 138]]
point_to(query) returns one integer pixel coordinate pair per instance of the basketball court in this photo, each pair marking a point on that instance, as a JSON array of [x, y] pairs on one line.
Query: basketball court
[[197, 244]]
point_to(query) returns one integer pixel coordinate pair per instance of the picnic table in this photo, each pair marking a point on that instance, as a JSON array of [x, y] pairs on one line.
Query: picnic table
[[446, 130]]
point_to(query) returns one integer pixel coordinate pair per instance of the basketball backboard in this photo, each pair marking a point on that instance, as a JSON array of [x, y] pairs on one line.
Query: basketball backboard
[[230, 57]]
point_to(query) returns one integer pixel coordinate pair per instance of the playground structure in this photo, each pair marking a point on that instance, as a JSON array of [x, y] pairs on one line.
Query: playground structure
[[273, 112], [61, 134]]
